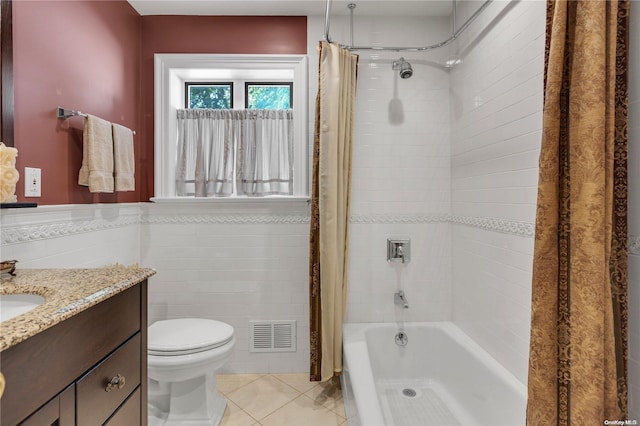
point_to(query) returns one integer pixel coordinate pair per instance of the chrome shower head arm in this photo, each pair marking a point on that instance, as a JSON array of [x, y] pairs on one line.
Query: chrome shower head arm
[[403, 67], [397, 64]]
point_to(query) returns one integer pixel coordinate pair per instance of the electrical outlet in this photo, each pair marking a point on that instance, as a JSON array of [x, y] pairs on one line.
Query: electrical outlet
[[32, 182]]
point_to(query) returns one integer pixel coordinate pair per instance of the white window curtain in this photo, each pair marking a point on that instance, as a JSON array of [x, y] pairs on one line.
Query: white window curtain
[[205, 153], [262, 141], [265, 152]]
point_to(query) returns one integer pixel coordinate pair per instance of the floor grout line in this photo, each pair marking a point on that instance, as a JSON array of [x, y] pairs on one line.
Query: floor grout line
[[329, 398]]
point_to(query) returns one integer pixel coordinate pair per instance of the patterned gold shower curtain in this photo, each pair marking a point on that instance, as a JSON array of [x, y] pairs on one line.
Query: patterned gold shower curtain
[[578, 349], [330, 195]]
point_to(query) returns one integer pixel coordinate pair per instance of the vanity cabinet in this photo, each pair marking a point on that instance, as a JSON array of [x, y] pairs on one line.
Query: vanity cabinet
[[60, 411], [89, 369]]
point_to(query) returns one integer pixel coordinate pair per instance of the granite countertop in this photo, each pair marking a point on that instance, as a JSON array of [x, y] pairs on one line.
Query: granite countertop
[[66, 292]]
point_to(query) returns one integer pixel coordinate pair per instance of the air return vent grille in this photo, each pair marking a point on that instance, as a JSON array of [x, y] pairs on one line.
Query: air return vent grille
[[272, 336]]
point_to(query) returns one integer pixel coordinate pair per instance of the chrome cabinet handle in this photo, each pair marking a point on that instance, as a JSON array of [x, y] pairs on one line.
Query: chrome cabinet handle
[[117, 381]]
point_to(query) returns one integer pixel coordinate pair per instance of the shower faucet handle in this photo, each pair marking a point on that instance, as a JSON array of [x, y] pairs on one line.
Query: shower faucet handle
[[398, 250]]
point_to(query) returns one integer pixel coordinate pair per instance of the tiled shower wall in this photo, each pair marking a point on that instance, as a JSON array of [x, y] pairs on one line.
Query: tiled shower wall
[[496, 125], [496, 122], [401, 184]]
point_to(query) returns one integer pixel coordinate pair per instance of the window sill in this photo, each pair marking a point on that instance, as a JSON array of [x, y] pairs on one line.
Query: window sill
[[242, 207], [230, 200]]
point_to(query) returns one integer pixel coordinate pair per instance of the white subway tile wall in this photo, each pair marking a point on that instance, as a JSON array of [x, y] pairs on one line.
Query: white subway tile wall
[[495, 137], [634, 215], [400, 170], [232, 264], [71, 236], [425, 279]]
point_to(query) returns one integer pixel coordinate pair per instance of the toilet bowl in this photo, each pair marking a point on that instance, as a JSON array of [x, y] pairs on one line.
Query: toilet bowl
[[184, 356]]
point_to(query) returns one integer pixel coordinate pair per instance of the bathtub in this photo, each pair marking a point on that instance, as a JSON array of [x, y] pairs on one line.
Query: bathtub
[[440, 378]]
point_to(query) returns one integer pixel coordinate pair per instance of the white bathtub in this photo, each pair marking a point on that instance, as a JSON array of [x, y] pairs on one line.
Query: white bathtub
[[454, 380]]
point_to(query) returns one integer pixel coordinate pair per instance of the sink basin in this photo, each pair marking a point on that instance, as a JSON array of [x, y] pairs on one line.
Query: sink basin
[[12, 305]]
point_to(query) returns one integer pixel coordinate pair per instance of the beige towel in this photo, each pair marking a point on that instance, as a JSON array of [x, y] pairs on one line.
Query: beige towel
[[124, 161], [97, 155]]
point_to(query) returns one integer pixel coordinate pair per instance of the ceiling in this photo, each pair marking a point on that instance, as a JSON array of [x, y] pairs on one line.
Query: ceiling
[[292, 7]]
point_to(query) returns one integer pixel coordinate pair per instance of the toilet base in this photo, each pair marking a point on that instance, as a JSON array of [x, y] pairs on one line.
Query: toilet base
[[194, 402]]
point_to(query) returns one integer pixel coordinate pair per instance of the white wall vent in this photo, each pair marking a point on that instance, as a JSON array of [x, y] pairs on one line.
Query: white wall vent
[[272, 336]]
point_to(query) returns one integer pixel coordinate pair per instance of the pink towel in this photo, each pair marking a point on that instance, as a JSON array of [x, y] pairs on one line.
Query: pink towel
[[124, 160], [97, 155]]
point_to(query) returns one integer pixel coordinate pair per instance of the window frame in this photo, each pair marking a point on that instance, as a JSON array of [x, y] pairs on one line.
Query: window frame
[[267, 83], [188, 84], [172, 70]]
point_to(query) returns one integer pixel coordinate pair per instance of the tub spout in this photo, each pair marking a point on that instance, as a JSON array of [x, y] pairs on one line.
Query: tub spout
[[400, 299]]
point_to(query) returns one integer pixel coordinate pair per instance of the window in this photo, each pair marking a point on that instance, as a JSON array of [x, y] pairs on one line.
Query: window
[[268, 95], [211, 81], [208, 95], [256, 95]]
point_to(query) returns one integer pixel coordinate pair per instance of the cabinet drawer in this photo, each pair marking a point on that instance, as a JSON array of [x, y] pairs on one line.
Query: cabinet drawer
[[94, 403], [129, 413]]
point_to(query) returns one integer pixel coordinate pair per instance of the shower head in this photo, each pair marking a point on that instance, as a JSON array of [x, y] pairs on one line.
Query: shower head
[[403, 67]]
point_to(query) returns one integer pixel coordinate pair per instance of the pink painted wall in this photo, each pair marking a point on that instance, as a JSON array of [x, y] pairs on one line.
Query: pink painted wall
[[81, 55], [97, 57]]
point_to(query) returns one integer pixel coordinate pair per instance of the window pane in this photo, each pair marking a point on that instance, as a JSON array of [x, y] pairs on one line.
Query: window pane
[[212, 96], [269, 95]]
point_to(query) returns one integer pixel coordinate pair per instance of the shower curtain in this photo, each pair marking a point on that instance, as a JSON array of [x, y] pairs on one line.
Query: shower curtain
[[331, 188], [578, 349]]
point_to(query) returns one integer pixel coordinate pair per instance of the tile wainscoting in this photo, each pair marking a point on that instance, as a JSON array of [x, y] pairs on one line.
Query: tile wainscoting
[[22, 227], [47, 222], [71, 236], [237, 266]]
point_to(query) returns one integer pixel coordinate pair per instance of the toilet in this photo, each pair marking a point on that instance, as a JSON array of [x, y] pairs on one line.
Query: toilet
[[184, 356]]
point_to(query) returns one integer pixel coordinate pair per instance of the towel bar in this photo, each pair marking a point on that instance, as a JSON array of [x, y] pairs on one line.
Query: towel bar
[[64, 113]]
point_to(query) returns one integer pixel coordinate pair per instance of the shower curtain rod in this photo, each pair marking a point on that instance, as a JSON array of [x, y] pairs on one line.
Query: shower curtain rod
[[455, 34]]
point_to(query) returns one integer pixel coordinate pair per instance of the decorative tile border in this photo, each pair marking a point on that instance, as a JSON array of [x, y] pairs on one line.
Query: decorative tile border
[[237, 219], [505, 226], [12, 234], [66, 227], [42, 231], [362, 219], [524, 229], [63, 228]]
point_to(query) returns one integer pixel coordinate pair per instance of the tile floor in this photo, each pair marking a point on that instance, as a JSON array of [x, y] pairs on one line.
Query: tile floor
[[280, 400]]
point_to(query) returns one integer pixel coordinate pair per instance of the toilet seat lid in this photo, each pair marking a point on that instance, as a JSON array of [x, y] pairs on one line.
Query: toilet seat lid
[[187, 335]]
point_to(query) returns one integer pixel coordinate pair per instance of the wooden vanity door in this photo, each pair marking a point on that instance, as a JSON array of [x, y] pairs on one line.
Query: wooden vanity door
[[60, 411]]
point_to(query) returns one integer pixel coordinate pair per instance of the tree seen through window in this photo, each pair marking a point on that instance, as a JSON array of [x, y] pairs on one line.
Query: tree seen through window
[[211, 96], [268, 96], [256, 95]]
